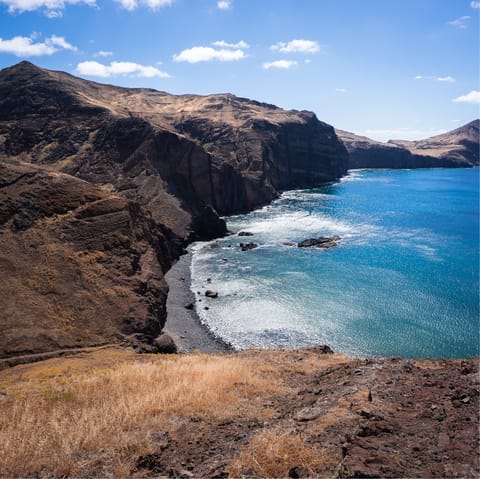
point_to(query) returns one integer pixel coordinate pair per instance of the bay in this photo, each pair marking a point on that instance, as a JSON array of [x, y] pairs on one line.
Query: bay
[[404, 280]]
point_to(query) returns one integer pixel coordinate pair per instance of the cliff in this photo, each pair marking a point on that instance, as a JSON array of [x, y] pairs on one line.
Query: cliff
[[109, 183], [457, 148]]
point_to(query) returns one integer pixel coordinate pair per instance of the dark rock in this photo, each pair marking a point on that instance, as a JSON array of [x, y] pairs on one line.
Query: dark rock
[[298, 472], [189, 306], [324, 242], [245, 233], [164, 344], [323, 349], [248, 246], [456, 148], [211, 294]]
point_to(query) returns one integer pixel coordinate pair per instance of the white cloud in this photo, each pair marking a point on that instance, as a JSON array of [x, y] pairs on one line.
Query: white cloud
[[456, 121], [297, 46], [103, 53], [224, 4], [341, 90], [401, 134], [223, 44], [475, 4], [285, 64], [53, 8], [460, 22], [25, 46], [91, 68], [447, 79], [472, 97], [206, 54], [152, 4]]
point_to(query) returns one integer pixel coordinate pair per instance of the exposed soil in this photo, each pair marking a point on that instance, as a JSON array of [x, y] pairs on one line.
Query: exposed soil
[[421, 421]]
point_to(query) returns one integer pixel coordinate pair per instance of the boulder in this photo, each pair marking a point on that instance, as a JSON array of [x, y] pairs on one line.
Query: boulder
[[211, 294], [248, 246], [323, 242], [164, 344]]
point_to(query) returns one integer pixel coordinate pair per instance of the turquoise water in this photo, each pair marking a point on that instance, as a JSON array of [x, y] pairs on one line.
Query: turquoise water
[[404, 280]]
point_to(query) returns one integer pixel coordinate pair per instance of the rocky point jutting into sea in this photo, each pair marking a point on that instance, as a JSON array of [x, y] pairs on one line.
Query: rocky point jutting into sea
[[145, 173]]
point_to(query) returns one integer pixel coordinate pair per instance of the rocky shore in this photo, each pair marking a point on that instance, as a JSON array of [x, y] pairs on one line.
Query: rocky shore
[[183, 323]]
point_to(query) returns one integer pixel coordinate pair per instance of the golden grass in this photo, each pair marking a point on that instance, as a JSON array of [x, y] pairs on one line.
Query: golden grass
[[97, 422], [273, 455]]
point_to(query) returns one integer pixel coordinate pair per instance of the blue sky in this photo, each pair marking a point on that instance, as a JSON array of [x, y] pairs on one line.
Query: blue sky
[[403, 69]]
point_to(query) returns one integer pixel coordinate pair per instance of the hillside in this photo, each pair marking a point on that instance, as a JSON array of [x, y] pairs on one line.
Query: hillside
[[255, 414], [102, 186], [457, 148]]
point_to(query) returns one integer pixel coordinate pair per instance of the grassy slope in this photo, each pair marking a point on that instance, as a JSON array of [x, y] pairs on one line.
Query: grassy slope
[[111, 413]]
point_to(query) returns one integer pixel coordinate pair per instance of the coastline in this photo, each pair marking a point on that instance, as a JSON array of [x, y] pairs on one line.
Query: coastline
[[183, 324]]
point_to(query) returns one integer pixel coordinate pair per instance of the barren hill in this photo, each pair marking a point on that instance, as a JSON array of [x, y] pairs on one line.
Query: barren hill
[[100, 187], [457, 148]]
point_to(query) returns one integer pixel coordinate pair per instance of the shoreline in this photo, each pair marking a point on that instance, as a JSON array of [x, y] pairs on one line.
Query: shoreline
[[183, 324]]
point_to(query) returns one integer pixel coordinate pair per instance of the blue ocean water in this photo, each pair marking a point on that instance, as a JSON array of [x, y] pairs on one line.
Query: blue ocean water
[[404, 280]]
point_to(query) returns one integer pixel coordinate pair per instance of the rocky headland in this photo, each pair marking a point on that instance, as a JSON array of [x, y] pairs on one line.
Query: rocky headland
[[113, 183], [458, 148]]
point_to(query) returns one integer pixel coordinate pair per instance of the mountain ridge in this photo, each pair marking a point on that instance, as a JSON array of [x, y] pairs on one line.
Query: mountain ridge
[[453, 149]]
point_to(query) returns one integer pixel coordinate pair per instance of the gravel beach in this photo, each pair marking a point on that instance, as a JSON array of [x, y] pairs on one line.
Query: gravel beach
[[183, 324]]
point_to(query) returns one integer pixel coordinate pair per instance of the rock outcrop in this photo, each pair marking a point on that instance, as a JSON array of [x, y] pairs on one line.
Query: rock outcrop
[[457, 148], [109, 183], [80, 266]]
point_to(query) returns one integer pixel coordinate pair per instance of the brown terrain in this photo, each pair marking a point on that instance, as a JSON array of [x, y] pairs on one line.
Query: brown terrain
[[456, 149], [254, 414], [102, 186], [101, 189]]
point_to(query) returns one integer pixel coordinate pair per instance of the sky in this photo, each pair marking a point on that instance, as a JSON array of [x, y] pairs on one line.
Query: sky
[[401, 69]]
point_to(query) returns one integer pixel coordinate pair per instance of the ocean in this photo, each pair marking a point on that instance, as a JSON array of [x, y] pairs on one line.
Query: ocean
[[403, 281]]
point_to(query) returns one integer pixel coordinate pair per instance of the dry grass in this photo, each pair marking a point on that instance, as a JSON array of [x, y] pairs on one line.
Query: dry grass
[[97, 422], [273, 455]]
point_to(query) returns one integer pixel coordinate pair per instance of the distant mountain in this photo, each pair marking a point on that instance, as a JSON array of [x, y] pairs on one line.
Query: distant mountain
[[101, 186], [457, 148]]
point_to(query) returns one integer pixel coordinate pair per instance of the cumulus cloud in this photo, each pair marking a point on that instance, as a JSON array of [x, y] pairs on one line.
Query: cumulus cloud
[[475, 4], [96, 69], [223, 44], [151, 4], [103, 53], [224, 4], [207, 54], [472, 97], [27, 47], [297, 46], [460, 22], [285, 64], [53, 8]]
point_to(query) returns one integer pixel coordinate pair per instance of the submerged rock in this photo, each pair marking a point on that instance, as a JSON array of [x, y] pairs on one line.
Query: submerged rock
[[245, 233], [324, 242], [248, 246]]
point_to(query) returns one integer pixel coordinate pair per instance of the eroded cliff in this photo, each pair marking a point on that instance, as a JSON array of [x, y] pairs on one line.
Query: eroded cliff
[[455, 149], [109, 183]]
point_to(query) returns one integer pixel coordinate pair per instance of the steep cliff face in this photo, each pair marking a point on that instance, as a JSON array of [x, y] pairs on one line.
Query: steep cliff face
[[80, 266], [457, 148], [100, 187], [176, 154]]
